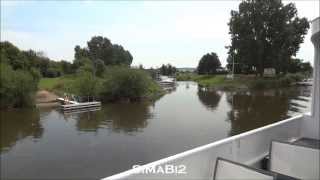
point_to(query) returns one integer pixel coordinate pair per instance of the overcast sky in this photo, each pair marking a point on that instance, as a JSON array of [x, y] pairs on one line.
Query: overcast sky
[[155, 32]]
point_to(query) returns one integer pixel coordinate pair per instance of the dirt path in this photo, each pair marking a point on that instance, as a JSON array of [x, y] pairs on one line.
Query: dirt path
[[46, 98]]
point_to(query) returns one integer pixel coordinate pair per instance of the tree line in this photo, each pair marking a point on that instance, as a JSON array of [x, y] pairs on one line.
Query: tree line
[[99, 70], [30, 59]]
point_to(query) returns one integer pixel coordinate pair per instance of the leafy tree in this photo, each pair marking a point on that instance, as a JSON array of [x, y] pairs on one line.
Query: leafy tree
[[26, 60], [17, 87], [80, 52], [120, 56], [125, 83], [167, 70], [208, 64], [99, 68], [66, 67], [306, 67], [12, 55], [101, 48], [266, 33], [297, 65], [86, 86], [141, 66]]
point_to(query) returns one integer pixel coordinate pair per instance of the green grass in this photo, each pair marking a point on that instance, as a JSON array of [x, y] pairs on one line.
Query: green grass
[[221, 82], [244, 81], [48, 83], [57, 85]]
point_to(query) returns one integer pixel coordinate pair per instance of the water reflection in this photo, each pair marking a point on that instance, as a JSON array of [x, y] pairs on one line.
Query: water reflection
[[209, 97], [73, 145], [121, 117], [17, 125], [252, 109]]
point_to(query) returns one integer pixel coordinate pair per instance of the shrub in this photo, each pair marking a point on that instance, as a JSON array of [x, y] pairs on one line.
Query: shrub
[[17, 88], [279, 82], [85, 85], [184, 76], [123, 83]]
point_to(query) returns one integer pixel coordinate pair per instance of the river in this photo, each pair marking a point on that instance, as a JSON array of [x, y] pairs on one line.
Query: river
[[47, 143]]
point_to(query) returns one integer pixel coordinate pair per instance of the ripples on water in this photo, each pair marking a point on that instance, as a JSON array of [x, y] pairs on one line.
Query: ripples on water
[[47, 143]]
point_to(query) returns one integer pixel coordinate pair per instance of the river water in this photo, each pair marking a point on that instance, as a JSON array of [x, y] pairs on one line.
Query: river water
[[47, 143]]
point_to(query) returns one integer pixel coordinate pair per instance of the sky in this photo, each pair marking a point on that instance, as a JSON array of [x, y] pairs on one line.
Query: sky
[[155, 32]]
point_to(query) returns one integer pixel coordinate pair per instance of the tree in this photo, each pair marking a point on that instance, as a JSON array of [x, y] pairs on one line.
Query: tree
[[80, 52], [123, 83], [66, 67], [167, 70], [208, 64], [297, 65], [101, 48], [266, 33], [120, 56], [12, 55], [86, 86], [99, 68], [30, 59], [17, 87], [306, 67]]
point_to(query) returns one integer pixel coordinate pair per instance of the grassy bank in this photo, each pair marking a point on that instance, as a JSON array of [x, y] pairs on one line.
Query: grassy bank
[[56, 85], [119, 84], [241, 81]]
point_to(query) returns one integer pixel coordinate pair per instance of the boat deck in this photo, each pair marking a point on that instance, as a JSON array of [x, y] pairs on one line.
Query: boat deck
[[308, 142]]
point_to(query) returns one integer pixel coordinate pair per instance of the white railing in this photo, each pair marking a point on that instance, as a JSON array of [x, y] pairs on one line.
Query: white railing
[[248, 148]]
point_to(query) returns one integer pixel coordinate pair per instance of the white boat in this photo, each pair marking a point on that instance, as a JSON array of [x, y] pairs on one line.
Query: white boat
[[73, 105], [292, 154], [81, 105], [166, 81]]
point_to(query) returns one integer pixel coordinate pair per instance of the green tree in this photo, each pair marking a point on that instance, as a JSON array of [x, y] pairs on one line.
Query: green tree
[[99, 68], [208, 64], [86, 86], [266, 33], [12, 55], [120, 56], [167, 70], [306, 68], [17, 87], [125, 83], [101, 48], [66, 67]]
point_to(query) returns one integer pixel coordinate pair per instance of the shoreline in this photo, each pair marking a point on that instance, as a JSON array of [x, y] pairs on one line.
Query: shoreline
[[46, 98]]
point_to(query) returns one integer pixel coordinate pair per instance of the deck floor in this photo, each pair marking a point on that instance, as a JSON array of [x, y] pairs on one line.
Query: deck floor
[[307, 142]]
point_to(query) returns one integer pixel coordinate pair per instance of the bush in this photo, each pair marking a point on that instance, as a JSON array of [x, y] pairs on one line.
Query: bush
[[85, 85], [279, 82], [184, 76], [17, 88], [123, 83]]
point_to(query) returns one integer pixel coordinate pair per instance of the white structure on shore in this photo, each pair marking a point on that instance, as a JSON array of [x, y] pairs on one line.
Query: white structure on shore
[[251, 147]]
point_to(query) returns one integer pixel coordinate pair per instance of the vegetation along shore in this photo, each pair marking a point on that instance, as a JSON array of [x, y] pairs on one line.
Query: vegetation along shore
[[99, 71]]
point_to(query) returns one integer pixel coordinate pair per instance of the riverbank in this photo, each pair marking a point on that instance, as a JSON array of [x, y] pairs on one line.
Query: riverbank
[[127, 86], [45, 98], [56, 85], [241, 82]]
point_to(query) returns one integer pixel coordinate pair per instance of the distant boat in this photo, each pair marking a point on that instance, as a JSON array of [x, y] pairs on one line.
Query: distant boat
[[166, 81]]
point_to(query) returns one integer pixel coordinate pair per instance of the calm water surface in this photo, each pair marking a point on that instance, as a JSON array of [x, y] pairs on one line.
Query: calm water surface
[[46, 143]]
